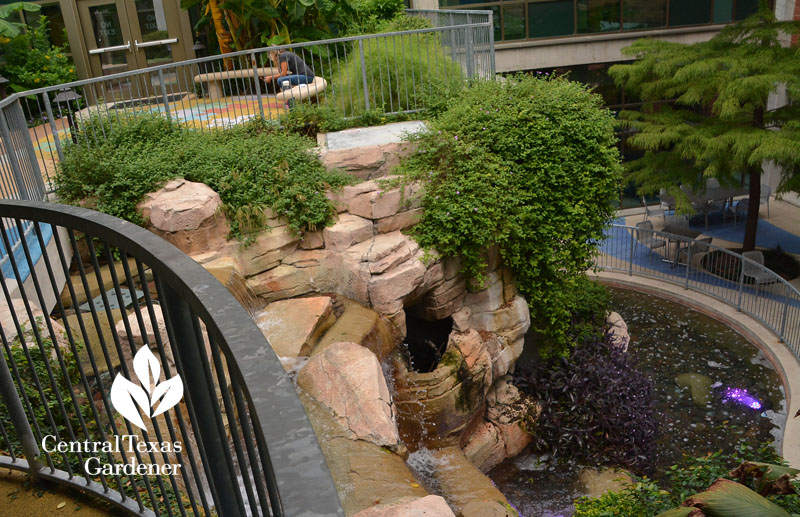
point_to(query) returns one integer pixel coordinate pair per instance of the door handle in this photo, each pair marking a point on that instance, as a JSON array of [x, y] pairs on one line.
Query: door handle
[[115, 48], [154, 43]]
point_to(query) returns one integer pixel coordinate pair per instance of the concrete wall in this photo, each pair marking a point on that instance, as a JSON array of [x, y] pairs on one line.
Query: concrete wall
[[581, 50]]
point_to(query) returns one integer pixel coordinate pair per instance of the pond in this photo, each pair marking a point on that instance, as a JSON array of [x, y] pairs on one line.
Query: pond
[[745, 398]]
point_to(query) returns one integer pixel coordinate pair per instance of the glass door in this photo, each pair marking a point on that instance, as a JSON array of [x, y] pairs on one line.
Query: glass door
[[155, 28], [108, 36], [124, 35]]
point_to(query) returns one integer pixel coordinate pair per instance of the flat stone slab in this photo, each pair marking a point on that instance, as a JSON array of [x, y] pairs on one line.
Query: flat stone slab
[[370, 136], [294, 326], [365, 474]]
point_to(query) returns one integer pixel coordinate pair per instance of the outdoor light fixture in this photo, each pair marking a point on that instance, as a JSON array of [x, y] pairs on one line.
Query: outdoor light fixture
[[742, 397], [65, 97], [200, 51]]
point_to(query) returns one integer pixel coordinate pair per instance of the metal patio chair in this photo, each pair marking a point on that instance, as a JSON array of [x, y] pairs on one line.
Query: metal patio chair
[[758, 274], [646, 236], [653, 211], [697, 247]]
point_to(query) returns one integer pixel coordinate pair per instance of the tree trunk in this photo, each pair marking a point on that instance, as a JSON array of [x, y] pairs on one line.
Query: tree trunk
[[754, 200], [223, 36], [754, 171]]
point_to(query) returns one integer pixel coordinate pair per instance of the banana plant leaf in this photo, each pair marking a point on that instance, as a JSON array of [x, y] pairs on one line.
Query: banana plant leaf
[[770, 479], [726, 498]]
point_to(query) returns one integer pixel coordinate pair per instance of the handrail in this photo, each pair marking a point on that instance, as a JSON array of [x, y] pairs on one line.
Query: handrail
[[294, 460], [761, 293]]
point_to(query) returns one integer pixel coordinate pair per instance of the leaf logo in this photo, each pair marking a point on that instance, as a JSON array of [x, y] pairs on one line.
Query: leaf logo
[[126, 396]]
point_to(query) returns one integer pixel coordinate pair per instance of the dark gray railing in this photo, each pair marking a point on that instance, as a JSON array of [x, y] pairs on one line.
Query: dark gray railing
[[738, 281], [388, 73], [245, 443]]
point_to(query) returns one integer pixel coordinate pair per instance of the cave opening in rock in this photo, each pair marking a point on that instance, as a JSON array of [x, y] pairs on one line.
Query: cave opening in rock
[[425, 341]]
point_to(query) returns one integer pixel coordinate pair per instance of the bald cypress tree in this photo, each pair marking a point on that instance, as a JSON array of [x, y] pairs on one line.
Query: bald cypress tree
[[718, 123]]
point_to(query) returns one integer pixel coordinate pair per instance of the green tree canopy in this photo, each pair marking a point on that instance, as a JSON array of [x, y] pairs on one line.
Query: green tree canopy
[[720, 124]]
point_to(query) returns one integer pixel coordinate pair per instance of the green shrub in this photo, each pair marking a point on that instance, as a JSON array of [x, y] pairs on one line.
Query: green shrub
[[252, 167], [645, 498], [400, 70], [531, 165], [32, 62]]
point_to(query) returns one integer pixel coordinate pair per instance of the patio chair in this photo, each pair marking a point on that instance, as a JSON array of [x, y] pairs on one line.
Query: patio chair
[[646, 236], [766, 192], [697, 247], [758, 274], [652, 211], [737, 211], [676, 221]]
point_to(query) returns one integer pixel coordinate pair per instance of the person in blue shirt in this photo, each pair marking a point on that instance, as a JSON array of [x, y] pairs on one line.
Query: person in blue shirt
[[291, 68]]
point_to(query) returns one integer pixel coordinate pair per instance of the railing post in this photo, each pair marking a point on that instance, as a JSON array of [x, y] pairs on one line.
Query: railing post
[[785, 315], [491, 45], [469, 29], [257, 84], [630, 254], [188, 346], [688, 262], [11, 153], [741, 284], [363, 73], [49, 110], [25, 136], [10, 397], [164, 93]]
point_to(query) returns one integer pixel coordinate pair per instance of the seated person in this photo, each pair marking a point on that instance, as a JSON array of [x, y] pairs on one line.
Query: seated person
[[291, 68]]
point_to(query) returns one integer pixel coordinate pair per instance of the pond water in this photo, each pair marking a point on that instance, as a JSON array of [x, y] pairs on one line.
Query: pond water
[[745, 398]]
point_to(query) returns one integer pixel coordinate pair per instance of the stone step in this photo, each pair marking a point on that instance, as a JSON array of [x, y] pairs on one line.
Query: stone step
[[357, 324]]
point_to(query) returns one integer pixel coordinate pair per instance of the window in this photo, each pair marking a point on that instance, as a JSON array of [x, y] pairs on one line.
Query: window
[[723, 11], [550, 18], [644, 14], [514, 22], [598, 15], [745, 8], [689, 12], [55, 19], [531, 19]]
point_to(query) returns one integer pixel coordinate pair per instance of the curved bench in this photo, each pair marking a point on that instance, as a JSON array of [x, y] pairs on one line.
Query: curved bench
[[303, 91], [214, 79]]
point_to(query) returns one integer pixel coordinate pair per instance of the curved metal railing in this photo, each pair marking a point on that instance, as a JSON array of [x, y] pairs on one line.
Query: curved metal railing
[[740, 282], [239, 434]]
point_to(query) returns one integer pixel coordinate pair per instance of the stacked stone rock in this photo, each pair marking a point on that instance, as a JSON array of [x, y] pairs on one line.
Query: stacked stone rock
[[366, 257]]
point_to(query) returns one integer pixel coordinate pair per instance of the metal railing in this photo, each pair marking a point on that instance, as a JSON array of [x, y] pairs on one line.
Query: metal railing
[[87, 376], [738, 281], [388, 73]]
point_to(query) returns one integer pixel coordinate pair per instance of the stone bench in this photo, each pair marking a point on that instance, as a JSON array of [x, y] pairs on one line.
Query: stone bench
[[303, 91], [214, 79]]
